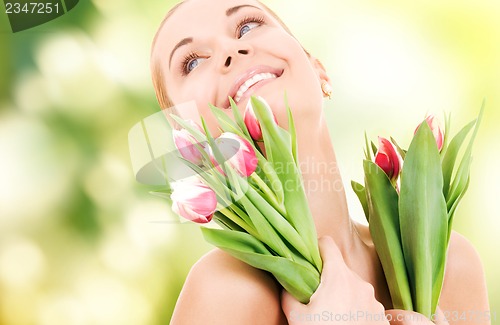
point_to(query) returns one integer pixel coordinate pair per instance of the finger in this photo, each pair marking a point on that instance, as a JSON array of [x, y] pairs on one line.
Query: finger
[[404, 317], [330, 253], [440, 318], [392, 315], [289, 303]]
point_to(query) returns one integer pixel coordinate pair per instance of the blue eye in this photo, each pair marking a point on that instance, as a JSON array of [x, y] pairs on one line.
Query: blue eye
[[190, 62], [246, 28], [192, 65], [247, 24]]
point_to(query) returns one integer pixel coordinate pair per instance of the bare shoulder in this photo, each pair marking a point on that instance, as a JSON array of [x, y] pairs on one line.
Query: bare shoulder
[[464, 287], [223, 290]]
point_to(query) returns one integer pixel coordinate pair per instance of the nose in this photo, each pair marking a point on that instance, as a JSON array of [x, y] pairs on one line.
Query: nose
[[233, 54], [229, 59]]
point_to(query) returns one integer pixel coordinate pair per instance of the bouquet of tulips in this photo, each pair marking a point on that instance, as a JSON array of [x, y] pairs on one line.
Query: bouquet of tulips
[[239, 182], [409, 199]]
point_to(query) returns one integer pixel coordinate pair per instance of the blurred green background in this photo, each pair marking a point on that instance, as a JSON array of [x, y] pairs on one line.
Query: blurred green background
[[81, 242]]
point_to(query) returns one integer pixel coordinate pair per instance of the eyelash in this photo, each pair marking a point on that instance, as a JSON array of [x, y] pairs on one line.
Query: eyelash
[[193, 55], [185, 62], [247, 20]]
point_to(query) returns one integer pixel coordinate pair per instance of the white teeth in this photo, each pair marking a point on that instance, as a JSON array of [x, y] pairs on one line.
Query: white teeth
[[250, 82]]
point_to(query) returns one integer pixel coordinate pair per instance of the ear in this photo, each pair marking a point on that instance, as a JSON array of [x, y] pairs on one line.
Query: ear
[[320, 69]]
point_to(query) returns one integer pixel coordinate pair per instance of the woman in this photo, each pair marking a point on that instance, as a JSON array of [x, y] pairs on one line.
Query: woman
[[207, 50]]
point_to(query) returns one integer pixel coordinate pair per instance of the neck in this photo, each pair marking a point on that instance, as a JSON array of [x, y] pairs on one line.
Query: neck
[[326, 195], [323, 185], [327, 201]]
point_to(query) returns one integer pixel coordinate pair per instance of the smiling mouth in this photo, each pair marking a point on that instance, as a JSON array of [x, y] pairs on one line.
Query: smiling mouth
[[252, 82]]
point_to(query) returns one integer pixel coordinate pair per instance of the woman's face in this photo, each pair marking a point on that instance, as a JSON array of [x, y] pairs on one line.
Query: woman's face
[[211, 49]]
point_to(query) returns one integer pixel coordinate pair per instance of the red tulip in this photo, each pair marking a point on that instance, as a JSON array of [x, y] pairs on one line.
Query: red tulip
[[194, 201], [185, 143], [388, 159], [237, 151], [436, 130], [252, 123]]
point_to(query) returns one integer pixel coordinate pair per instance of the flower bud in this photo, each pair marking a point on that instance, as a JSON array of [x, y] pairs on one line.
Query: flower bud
[[194, 201], [436, 130], [237, 151], [251, 121], [388, 159], [185, 143]]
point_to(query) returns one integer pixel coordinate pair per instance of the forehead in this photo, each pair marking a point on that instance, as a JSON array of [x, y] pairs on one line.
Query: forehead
[[194, 18], [191, 11]]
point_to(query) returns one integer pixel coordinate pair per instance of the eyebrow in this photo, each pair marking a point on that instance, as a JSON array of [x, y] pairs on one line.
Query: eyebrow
[[233, 10], [183, 42], [187, 40]]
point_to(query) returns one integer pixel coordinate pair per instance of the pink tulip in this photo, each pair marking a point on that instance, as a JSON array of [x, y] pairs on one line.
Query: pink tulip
[[237, 151], [194, 201], [388, 159], [436, 130], [252, 123], [185, 143]]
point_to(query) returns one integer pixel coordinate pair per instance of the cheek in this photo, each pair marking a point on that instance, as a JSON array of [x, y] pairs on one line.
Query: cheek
[[196, 109], [303, 93], [191, 100], [301, 82]]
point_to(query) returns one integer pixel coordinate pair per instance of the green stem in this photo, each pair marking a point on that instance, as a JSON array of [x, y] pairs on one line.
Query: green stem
[[237, 220], [269, 194]]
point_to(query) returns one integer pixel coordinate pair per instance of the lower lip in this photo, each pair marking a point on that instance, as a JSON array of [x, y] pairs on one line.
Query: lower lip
[[254, 88]]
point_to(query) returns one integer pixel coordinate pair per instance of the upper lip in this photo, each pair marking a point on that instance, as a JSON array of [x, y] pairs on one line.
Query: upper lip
[[247, 75]]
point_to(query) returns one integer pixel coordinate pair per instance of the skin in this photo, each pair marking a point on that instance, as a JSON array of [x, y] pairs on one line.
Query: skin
[[219, 288]]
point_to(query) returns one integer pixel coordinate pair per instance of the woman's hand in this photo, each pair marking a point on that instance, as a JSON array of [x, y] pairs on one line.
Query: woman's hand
[[405, 317], [342, 296]]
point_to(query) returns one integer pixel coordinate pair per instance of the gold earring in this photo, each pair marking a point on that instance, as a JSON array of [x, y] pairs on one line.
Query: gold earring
[[327, 89]]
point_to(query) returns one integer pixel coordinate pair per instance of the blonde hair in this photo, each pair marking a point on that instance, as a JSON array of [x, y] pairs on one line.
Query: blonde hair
[[156, 71]]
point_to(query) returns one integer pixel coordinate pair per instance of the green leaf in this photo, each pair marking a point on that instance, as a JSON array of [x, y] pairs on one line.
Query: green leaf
[[276, 139], [225, 222], [267, 193], [220, 159], [162, 194], [266, 231], [225, 122], [279, 223], [239, 128], [297, 279], [385, 230], [292, 131], [273, 179], [361, 194], [237, 221], [374, 148], [451, 154], [279, 154], [446, 138], [423, 220], [453, 208], [459, 183], [398, 148], [235, 240], [368, 154], [239, 119], [200, 137]]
